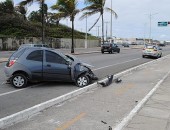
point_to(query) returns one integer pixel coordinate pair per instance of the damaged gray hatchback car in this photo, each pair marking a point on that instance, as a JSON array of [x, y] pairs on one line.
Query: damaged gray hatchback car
[[46, 64]]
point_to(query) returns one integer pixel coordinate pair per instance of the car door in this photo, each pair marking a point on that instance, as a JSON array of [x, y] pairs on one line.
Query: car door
[[55, 67], [34, 64], [114, 47]]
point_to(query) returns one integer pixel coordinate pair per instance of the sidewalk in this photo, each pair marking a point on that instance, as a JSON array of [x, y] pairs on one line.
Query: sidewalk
[[101, 107], [155, 114]]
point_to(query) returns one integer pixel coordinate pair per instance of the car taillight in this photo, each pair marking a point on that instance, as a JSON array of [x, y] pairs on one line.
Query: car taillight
[[11, 62], [155, 50]]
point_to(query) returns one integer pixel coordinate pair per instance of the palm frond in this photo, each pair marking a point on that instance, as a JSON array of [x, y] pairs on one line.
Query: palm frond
[[110, 10], [88, 14]]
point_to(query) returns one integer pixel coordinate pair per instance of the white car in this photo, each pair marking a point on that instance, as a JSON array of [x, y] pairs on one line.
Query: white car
[[152, 51]]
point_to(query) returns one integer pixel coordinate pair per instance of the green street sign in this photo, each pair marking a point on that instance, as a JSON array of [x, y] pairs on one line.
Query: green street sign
[[163, 24]]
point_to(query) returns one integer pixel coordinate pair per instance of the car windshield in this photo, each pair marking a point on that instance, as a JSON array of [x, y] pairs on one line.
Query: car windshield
[[68, 59]]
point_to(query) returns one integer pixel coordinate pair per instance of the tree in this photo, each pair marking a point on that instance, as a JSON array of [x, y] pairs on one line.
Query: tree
[[94, 7], [35, 16], [26, 2], [7, 7], [67, 8]]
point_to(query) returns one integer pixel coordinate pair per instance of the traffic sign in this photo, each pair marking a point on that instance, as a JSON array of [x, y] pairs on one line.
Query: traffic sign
[[163, 24]]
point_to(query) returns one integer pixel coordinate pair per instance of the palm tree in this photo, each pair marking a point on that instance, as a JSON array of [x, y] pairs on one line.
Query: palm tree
[[67, 8], [21, 10], [27, 2], [97, 6]]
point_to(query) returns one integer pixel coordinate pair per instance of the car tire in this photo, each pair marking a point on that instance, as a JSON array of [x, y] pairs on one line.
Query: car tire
[[82, 81], [19, 80], [143, 56], [118, 51], [102, 52], [160, 56]]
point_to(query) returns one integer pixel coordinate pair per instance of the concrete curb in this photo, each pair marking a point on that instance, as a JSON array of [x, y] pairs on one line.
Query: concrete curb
[[3, 60], [27, 113]]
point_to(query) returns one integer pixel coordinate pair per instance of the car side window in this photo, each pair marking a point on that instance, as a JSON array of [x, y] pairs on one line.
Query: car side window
[[54, 58], [35, 55]]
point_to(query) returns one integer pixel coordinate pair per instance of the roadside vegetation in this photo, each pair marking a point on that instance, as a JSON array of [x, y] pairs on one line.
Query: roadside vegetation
[[14, 21]]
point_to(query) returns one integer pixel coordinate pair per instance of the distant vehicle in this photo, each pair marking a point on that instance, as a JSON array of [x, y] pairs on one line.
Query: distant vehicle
[[125, 45], [46, 64], [161, 44], [110, 47], [33, 45], [152, 51]]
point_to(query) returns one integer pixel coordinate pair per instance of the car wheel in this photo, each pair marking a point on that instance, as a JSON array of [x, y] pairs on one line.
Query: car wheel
[[102, 52], [143, 56], [82, 81], [118, 51], [160, 56], [19, 80]]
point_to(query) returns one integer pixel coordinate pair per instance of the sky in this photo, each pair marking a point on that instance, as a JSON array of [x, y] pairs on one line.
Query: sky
[[133, 18]]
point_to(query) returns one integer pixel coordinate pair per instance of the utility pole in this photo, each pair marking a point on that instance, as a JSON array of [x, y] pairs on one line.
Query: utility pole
[[106, 29], [85, 44], [111, 22], [150, 23], [42, 15], [98, 28]]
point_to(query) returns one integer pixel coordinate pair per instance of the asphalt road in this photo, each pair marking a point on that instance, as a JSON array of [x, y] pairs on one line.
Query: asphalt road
[[14, 100]]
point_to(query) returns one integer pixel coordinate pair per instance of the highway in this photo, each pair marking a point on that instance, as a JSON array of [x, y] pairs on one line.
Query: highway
[[14, 100]]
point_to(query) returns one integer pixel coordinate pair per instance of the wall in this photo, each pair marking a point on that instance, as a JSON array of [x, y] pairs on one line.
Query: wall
[[14, 43]]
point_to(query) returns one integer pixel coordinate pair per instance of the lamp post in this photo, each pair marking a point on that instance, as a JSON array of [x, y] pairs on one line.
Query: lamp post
[[106, 29], [111, 22], [42, 15], [150, 23], [85, 44]]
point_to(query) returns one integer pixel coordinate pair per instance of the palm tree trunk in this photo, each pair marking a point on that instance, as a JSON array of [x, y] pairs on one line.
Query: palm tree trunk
[[72, 44]]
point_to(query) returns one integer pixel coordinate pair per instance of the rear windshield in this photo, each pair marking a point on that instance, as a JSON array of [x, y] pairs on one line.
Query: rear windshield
[[106, 44], [150, 47]]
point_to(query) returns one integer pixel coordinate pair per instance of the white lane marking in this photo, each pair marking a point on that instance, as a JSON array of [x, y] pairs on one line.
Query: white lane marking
[[115, 64], [11, 92], [3, 94], [129, 117]]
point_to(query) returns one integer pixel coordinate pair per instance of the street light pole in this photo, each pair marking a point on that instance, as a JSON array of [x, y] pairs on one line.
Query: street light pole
[[106, 29], [86, 34], [43, 33], [150, 28], [98, 30], [111, 22]]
